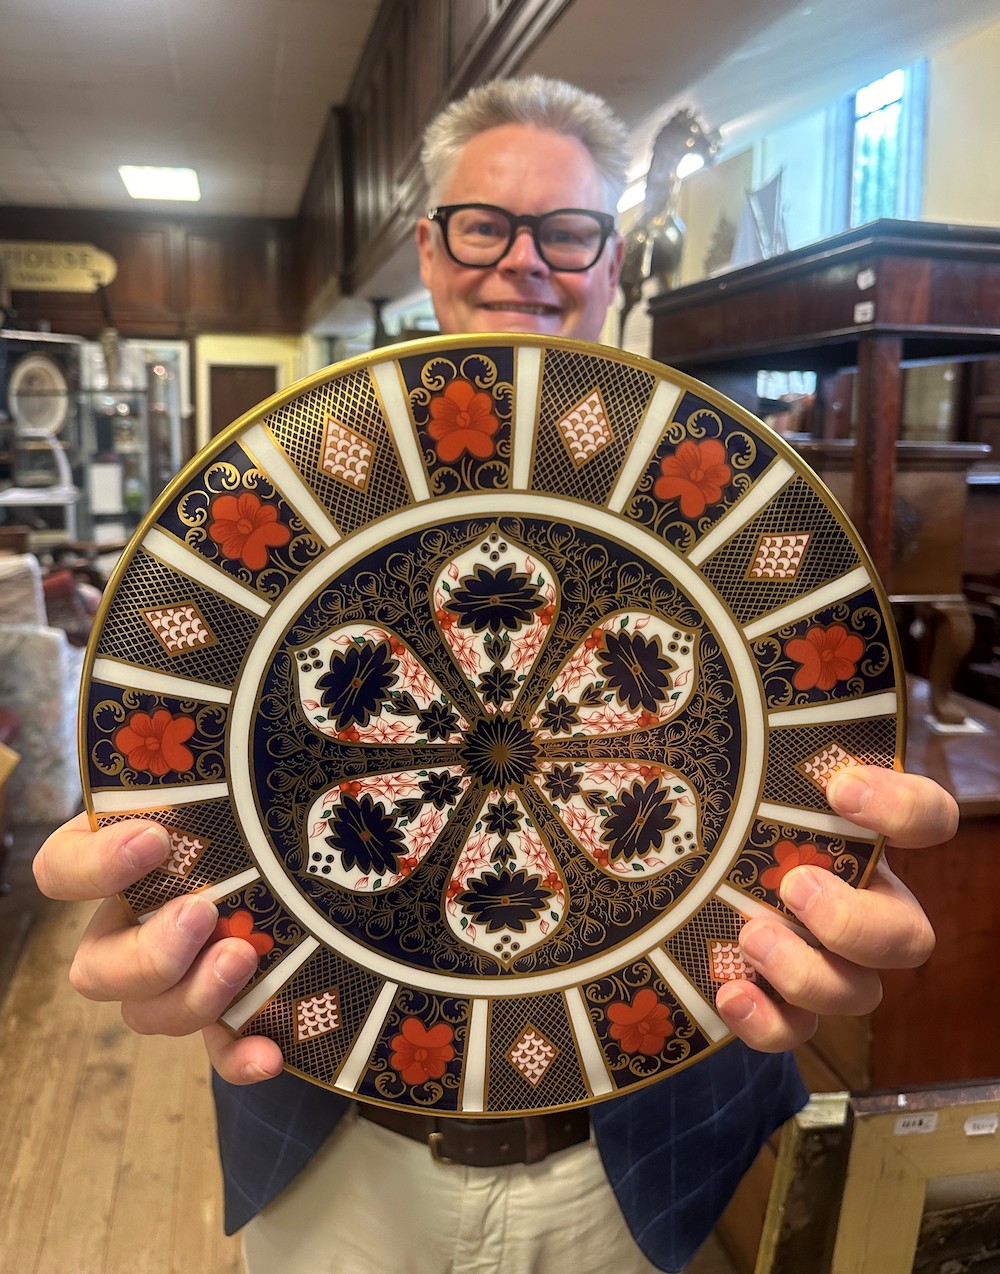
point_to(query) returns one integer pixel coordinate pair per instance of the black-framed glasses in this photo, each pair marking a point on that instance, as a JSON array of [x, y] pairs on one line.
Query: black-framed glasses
[[479, 235]]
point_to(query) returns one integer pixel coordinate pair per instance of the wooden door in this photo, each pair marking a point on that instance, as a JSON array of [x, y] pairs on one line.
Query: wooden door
[[235, 389]]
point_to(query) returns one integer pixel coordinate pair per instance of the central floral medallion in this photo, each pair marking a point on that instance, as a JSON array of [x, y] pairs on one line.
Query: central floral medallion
[[499, 752], [494, 746]]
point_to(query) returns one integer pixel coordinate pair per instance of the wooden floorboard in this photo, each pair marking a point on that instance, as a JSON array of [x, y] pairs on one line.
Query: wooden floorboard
[[107, 1147], [108, 1162]]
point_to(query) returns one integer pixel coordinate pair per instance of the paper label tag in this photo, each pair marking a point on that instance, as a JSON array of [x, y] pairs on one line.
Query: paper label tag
[[982, 1125], [866, 280], [907, 1125], [864, 311]]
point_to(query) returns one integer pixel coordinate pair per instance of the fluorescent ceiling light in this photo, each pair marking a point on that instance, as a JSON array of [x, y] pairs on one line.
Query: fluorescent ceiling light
[[160, 183]]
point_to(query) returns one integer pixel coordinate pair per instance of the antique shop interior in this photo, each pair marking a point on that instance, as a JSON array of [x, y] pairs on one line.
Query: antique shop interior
[[825, 175]]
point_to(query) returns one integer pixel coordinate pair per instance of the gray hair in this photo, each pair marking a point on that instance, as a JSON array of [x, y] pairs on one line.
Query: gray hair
[[535, 100]]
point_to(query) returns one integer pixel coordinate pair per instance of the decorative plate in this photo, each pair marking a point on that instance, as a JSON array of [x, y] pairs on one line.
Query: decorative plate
[[488, 685], [38, 395]]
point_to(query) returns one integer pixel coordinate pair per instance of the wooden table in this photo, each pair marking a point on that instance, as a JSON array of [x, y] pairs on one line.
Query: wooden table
[[869, 298], [937, 1024]]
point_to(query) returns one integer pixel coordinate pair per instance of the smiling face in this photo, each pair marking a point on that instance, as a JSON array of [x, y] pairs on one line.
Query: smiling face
[[525, 170]]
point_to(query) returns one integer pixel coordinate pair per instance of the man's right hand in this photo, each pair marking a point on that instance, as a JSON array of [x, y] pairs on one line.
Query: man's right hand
[[170, 978]]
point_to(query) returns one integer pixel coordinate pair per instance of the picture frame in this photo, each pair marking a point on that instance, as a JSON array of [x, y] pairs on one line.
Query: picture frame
[[888, 1183]]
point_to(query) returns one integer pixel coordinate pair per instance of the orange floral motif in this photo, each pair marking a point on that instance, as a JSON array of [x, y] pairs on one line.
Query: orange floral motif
[[642, 1026], [420, 1054], [245, 527], [695, 474], [240, 925], [789, 855], [825, 656], [156, 743], [462, 419]]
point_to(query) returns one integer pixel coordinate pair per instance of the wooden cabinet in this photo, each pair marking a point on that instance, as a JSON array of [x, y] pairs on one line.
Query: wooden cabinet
[[871, 298], [177, 277], [420, 54], [936, 1025]]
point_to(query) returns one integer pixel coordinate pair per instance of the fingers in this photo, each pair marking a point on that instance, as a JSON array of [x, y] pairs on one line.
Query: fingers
[[760, 1022], [810, 983], [860, 931], [170, 982], [910, 810], [119, 960], [881, 927], [170, 977], [200, 997], [77, 863], [243, 1059]]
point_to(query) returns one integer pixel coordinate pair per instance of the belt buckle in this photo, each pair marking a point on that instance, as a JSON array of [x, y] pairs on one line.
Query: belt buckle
[[435, 1140]]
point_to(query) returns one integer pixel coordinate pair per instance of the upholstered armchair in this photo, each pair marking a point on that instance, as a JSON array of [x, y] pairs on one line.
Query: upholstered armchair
[[40, 669]]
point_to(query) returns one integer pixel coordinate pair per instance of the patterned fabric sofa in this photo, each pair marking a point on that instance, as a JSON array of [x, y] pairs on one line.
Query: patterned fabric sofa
[[40, 670]]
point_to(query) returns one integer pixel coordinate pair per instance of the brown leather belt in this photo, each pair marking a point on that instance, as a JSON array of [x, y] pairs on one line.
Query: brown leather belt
[[486, 1143]]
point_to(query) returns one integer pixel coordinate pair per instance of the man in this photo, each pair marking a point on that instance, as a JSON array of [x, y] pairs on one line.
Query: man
[[324, 1192]]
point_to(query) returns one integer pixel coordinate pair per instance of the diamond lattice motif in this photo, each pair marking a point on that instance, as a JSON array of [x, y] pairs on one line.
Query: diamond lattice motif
[[819, 769], [585, 429], [778, 557], [180, 628], [727, 961], [317, 1015], [185, 850], [346, 455], [532, 1055]]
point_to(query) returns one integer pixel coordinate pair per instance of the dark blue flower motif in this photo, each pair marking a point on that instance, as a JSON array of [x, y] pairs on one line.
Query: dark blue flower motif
[[365, 835], [358, 682], [562, 782], [500, 600], [639, 820], [559, 716], [497, 685], [437, 720], [636, 669], [505, 900], [502, 818], [441, 788]]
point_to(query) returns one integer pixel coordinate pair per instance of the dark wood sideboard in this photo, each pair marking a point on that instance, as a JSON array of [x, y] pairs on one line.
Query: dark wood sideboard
[[873, 299], [870, 299]]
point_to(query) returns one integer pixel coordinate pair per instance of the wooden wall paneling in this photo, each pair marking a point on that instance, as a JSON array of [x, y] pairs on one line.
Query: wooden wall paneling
[[429, 35], [176, 276], [515, 28], [326, 229], [420, 54], [243, 277], [468, 20], [208, 287], [143, 294], [145, 287]]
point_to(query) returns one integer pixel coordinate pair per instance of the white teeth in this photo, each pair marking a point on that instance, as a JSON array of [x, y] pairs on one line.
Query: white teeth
[[521, 309]]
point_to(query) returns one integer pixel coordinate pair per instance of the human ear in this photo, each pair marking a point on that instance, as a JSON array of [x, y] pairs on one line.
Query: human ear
[[425, 249]]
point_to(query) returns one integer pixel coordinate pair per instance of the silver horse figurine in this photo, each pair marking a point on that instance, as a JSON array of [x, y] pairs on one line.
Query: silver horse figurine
[[653, 245]]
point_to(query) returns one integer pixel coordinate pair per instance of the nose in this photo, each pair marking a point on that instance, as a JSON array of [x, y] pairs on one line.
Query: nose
[[522, 255]]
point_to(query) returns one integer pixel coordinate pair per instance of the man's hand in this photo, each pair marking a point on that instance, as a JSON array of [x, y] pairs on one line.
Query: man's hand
[[168, 980], [859, 931]]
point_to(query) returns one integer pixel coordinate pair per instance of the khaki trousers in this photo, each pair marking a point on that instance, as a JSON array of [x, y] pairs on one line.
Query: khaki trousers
[[373, 1202]]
